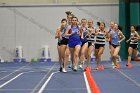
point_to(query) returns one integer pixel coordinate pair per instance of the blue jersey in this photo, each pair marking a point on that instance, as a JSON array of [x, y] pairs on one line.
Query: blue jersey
[[75, 36], [64, 30], [115, 38]]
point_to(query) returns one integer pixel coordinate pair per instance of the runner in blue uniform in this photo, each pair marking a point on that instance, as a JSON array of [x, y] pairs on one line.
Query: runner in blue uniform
[[67, 51], [74, 41], [60, 35], [116, 37]]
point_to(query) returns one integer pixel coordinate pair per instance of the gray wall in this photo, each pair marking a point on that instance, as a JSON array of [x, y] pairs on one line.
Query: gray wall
[[33, 27]]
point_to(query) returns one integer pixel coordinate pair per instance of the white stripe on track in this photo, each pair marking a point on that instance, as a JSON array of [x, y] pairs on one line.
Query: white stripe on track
[[13, 72], [45, 84], [10, 80], [87, 84], [129, 78]]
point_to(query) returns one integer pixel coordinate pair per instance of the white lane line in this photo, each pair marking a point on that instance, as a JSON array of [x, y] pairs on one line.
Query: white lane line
[[42, 80], [129, 78], [45, 84], [44, 89], [12, 72], [3, 71], [10, 80], [87, 84]]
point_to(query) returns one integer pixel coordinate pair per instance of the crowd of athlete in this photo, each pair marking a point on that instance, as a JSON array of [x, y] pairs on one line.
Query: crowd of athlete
[[79, 39]]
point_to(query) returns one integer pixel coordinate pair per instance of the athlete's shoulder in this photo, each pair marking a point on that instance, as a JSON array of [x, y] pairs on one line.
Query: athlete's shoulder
[[106, 31], [97, 30], [135, 32]]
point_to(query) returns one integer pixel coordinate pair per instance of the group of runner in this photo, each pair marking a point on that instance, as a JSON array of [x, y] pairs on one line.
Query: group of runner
[[79, 39]]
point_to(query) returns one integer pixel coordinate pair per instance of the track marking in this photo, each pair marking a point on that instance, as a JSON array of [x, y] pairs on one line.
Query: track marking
[[44, 89], [3, 71], [41, 81], [45, 84], [87, 84], [13, 72], [10, 80], [129, 78]]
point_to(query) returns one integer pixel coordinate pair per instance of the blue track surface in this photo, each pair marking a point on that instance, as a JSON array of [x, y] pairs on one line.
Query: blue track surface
[[67, 83], [118, 81], [32, 76]]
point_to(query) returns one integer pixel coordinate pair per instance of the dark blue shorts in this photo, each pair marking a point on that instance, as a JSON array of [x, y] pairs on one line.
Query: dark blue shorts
[[83, 43], [90, 44], [64, 41], [97, 46], [134, 46], [114, 46], [72, 44]]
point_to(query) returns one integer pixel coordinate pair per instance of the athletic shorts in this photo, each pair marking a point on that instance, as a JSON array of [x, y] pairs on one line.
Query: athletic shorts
[[90, 44], [114, 45], [134, 46], [64, 41], [74, 43], [97, 46], [83, 43]]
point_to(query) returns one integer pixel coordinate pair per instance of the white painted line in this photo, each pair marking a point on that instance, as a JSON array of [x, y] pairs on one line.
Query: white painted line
[[45, 84], [129, 78], [10, 80], [3, 71], [12, 72], [42, 80], [87, 84], [44, 89]]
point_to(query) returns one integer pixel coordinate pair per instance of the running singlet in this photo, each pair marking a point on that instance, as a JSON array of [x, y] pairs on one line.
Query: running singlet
[[75, 36], [63, 31], [115, 38], [91, 37], [133, 37], [100, 38], [85, 33]]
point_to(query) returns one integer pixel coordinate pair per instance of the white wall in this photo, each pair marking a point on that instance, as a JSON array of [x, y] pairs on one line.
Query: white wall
[[56, 1], [30, 26]]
